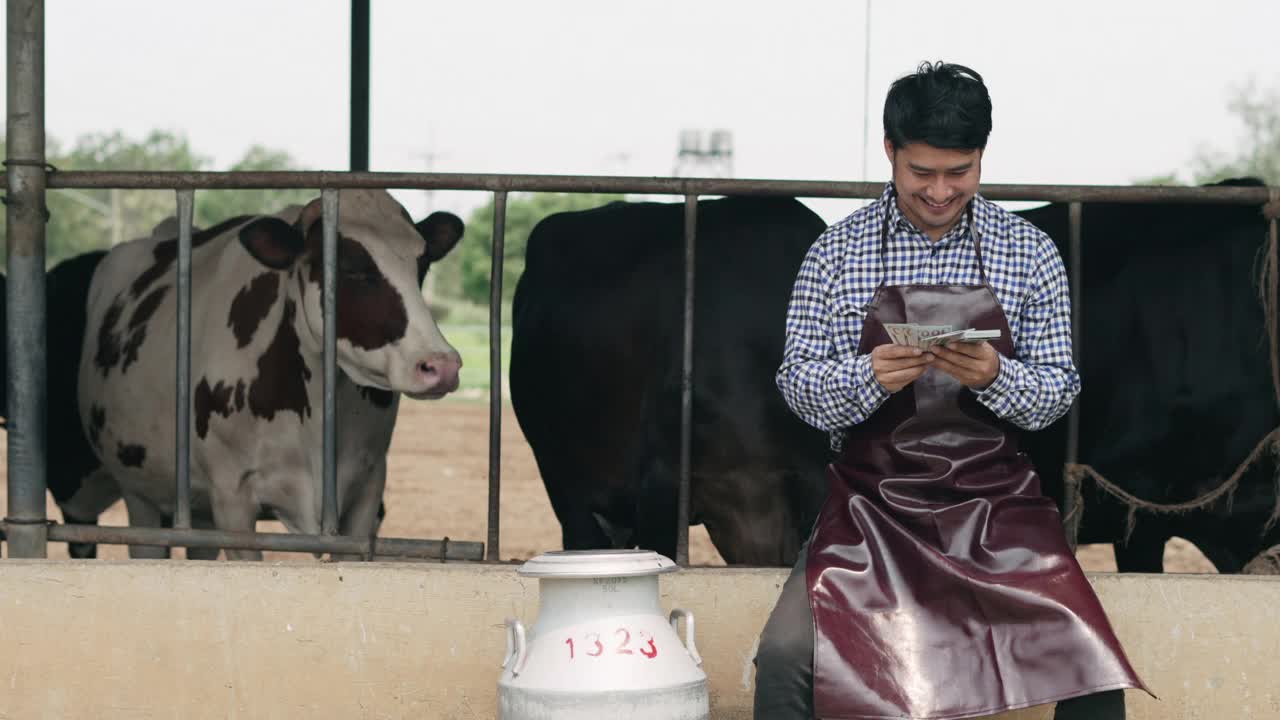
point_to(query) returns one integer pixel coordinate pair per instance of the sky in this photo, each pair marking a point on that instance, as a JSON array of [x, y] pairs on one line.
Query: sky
[[1084, 92]]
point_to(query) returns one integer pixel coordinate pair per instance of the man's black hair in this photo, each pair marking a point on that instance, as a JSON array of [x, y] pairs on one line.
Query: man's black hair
[[942, 105]]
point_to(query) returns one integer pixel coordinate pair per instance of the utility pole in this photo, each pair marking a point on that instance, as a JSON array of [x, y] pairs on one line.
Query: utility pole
[[113, 210], [359, 99], [117, 225], [866, 92], [429, 159]]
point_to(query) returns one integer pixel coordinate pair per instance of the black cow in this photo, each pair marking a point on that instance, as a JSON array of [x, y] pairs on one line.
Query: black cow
[[1175, 370], [1175, 373], [596, 374], [70, 459]]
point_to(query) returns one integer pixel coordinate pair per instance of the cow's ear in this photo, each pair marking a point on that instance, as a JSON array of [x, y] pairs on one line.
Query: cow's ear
[[272, 242], [442, 231], [309, 216], [167, 229]]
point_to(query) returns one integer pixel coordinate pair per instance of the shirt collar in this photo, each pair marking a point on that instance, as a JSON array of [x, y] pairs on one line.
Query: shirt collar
[[899, 222]]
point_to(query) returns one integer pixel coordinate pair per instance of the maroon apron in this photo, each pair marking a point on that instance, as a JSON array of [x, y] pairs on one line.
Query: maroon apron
[[939, 575]]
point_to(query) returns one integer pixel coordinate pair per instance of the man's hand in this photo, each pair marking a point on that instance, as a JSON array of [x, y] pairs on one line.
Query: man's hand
[[975, 365], [897, 366]]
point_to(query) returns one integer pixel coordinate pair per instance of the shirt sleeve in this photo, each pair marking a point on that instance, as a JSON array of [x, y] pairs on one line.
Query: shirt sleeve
[[826, 390], [1039, 387]]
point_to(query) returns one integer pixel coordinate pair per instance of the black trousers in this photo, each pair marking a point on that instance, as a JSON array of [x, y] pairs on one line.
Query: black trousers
[[784, 664]]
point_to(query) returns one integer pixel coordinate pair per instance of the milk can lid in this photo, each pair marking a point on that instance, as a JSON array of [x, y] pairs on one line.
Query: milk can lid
[[597, 563]]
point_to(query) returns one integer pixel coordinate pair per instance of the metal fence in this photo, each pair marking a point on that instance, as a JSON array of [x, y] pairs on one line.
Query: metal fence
[[691, 189], [27, 528]]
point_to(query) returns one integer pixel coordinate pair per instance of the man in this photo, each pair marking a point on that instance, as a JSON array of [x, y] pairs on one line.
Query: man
[[937, 582]]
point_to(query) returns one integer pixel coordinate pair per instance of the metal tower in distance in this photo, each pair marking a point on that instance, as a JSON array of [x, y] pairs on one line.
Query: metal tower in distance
[[704, 153]]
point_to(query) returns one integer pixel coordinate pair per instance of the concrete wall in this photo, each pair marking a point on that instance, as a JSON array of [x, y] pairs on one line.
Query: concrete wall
[[226, 640]]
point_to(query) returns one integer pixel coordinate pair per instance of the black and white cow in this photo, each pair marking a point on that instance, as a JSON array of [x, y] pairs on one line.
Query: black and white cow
[[256, 363], [72, 467]]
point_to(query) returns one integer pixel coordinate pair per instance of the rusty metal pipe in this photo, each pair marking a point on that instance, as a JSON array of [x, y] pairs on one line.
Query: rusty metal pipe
[[148, 180], [26, 338], [686, 382], [182, 403], [281, 542], [495, 372]]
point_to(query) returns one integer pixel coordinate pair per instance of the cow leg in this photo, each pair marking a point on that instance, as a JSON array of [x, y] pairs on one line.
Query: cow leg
[[361, 516], [579, 529], [761, 540], [656, 500], [143, 514], [80, 551], [97, 492], [202, 522], [749, 517], [1144, 552], [1225, 559], [234, 509]]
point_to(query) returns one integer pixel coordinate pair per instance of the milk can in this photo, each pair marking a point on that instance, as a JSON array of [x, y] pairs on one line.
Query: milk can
[[601, 646]]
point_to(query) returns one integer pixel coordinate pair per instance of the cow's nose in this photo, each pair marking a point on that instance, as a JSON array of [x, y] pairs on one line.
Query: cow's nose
[[439, 372]]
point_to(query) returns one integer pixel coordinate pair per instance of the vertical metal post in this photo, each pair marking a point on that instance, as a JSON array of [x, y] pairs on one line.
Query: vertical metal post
[[359, 84], [686, 383], [182, 444], [26, 527], [1075, 212], [495, 373], [329, 304], [866, 91], [1273, 260]]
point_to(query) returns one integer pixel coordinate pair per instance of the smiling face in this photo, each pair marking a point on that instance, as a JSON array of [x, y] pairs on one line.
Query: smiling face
[[934, 185]]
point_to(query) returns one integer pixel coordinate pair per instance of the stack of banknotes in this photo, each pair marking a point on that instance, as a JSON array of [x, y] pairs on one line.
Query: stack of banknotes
[[926, 336]]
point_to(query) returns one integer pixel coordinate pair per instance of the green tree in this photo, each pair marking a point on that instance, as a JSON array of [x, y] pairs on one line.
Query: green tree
[[83, 220], [1166, 179], [464, 273], [1259, 113], [214, 206]]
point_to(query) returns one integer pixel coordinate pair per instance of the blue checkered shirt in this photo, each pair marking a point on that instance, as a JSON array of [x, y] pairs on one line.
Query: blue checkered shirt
[[831, 387]]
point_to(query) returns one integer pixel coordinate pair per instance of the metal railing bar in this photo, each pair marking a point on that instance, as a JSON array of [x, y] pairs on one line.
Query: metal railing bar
[[329, 303], [501, 185], [495, 372], [182, 404], [26, 310], [1075, 252], [686, 382], [280, 542], [153, 180]]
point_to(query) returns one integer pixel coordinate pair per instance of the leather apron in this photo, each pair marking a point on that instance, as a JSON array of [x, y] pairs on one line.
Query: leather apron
[[939, 575]]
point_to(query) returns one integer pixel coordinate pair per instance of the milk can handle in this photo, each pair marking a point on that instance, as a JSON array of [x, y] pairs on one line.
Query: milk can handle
[[689, 643], [516, 647]]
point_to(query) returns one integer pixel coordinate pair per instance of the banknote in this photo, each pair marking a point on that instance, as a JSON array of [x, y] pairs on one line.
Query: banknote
[[926, 336], [915, 335]]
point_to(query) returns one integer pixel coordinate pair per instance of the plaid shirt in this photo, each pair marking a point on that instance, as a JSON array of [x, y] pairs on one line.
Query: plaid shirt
[[831, 387]]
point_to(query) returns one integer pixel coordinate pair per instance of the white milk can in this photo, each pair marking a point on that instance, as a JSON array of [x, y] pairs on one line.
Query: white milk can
[[601, 646]]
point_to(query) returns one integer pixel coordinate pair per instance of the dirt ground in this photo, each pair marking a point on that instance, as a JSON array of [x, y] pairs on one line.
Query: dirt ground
[[437, 486]]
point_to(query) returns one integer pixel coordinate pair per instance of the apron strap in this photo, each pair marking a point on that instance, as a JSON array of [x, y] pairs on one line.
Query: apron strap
[[884, 238], [977, 243], [973, 231]]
